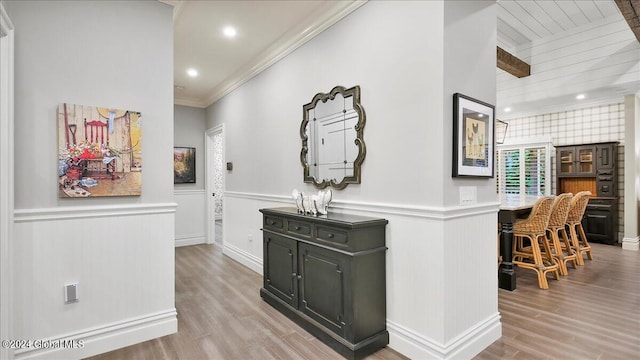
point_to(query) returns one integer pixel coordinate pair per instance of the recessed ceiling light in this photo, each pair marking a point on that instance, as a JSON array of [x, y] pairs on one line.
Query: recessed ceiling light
[[580, 97], [229, 31], [480, 115], [192, 72], [507, 109]]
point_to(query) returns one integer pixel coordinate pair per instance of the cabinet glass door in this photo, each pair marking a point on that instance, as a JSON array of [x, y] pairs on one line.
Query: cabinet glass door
[[586, 157], [567, 160]]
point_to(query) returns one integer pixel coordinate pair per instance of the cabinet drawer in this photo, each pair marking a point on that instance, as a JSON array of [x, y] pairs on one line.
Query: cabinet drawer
[[273, 223], [332, 236], [609, 202], [299, 228]]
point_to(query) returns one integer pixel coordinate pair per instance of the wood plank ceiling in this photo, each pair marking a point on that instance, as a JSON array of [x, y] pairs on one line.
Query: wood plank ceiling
[[523, 21]]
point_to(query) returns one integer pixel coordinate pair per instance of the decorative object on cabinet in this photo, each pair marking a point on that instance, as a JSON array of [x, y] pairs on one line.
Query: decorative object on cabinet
[[100, 148], [473, 134], [328, 275], [312, 204], [184, 165], [593, 168], [333, 147]]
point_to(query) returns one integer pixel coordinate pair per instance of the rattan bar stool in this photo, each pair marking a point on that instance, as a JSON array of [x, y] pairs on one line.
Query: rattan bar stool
[[534, 229], [559, 213], [579, 241]]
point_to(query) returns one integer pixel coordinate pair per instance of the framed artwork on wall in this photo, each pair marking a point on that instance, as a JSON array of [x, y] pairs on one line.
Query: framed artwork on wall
[[99, 151], [184, 165], [473, 137]]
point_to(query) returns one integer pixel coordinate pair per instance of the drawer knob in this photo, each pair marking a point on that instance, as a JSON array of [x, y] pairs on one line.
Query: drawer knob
[[297, 227], [330, 235], [269, 222]]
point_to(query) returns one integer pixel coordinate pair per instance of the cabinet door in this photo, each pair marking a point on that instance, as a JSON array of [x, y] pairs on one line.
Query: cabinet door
[[323, 287], [598, 224], [606, 157], [566, 158], [280, 268], [586, 160]]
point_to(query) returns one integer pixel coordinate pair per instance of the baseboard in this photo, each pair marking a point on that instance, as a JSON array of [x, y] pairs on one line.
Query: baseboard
[[194, 239], [98, 340], [465, 346], [632, 244], [252, 262]]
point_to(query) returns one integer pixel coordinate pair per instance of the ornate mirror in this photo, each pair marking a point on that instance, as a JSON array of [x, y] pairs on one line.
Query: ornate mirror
[[332, 144]]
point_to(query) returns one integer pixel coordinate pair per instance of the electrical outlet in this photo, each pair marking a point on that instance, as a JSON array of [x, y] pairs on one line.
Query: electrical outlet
[[250, 238]]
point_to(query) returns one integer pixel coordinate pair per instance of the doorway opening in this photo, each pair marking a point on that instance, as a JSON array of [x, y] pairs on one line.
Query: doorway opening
[[214, 140]]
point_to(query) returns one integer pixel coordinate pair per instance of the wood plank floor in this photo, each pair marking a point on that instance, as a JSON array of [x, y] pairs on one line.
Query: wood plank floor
[[594, 313]]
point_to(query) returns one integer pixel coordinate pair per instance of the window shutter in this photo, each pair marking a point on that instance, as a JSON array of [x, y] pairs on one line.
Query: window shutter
[[524, 169], [509, 174], [534, 171]]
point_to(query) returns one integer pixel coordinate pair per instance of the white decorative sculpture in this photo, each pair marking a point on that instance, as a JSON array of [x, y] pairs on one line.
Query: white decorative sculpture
[[312, 204]]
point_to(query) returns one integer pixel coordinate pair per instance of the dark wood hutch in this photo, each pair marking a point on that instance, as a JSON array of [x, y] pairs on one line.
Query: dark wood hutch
[[592, 167]]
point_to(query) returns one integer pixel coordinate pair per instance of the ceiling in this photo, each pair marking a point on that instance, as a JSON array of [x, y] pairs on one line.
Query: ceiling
[[523, 21], [266, 32], [269, 30]]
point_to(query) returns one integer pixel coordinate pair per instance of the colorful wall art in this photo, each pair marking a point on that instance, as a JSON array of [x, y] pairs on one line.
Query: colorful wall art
[[184, 165], [99, 152]]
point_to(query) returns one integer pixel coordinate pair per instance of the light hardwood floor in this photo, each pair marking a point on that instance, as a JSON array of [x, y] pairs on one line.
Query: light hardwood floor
[[594, 313]]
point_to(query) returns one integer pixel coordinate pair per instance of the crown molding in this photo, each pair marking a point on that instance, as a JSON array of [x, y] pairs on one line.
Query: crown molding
[[5, 23], [289, 42], [189, 102], [177, 6]]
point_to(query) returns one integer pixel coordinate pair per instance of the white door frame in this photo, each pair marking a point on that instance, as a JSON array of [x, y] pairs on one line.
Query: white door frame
[[209, 178], [6, 178]]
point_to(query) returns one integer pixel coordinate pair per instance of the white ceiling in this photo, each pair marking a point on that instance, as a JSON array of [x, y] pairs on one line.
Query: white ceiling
[[266, 32], [269, 30]]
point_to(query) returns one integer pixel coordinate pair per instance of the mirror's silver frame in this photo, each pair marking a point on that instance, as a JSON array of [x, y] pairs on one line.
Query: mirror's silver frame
[[354, 92]]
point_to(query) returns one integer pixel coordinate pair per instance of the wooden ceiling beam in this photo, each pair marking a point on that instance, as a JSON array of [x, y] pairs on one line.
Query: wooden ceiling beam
[[630, 9], [512, 64]]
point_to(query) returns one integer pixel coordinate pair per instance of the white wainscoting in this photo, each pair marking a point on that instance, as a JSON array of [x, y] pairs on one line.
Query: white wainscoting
[[122, 258], [441, 269], [190, 217]]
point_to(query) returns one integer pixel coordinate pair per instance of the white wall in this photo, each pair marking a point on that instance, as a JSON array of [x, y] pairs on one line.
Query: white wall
[[396, 52], [6, 176], [120, 250], [189, 128]]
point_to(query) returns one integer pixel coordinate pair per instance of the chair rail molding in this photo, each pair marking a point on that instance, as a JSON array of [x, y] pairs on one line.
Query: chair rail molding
[[77, 212], [428, 212]]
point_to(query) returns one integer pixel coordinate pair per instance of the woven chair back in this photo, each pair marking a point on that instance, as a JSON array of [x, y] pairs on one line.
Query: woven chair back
[[560, 210], [578, 206], [538, 218]]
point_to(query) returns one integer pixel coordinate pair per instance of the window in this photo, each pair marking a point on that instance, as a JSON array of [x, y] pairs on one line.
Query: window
[[524, 169]]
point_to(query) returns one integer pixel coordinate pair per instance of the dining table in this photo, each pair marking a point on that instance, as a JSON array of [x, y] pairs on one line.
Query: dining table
[[512, 208]]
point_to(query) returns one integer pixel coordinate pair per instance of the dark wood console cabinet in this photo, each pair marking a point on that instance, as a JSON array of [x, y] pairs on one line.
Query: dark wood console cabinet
[[327, 273], [592, 167]]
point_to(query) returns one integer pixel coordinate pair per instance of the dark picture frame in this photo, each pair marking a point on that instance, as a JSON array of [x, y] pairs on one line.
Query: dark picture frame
[[473, 137], [184, 165]]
